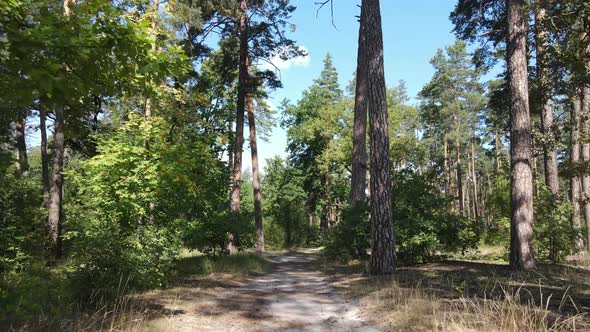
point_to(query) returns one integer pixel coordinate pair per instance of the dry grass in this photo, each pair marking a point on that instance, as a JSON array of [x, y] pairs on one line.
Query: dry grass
[[469, 296]]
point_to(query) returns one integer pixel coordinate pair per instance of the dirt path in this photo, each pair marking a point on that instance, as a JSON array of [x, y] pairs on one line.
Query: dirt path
[[293, 297]]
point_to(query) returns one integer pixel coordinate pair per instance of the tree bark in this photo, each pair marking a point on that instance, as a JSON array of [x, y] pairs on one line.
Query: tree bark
[[474, 179], [359, 139], [447, 173], [575, 181], [324, 220], [240, 106], [56, 192], [545, 102], [55, 210], [255, 177], [44, 156], [585, 115], [498, 151], [521, 203], [382, 237], [459, 175], [22, 162]]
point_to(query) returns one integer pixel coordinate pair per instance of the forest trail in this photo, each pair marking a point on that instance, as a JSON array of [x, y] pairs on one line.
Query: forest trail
[[294, 296]]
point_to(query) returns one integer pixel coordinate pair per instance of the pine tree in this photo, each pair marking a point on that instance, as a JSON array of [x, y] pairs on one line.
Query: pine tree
[[521, 204]]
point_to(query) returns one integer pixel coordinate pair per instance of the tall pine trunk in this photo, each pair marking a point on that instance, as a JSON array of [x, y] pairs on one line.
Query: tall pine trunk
[[585, 129], [56, 192], [448, 184], [22, 161], [255, 177], [44, 155], [545, 102], [382, 237], [459, 175], [359, 138], [476, 210], [575, 181], [521, 203], [240, 106], [498, 151]]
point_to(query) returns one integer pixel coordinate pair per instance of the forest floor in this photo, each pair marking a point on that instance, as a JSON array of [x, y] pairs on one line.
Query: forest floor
[[294, 296], [303, 291]]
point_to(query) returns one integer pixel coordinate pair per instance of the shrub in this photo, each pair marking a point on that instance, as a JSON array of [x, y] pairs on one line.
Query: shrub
[[350, 238]]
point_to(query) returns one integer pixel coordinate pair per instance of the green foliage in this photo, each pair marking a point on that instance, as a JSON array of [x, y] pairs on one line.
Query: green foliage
[[135, 199], [498, 205], [423, 226], [35, 292], [554, 234], [287, 222], [22, 226], [350, 238]]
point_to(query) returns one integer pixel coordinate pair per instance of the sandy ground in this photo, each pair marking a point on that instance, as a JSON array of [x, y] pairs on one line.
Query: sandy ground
[[293, 297]]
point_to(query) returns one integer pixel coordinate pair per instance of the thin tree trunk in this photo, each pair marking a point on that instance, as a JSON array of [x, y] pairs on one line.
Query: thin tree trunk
[[382, 237], [474, 179], [44, 156], [324, 220], [22, 163], [521, 203], [154, 24], [230, 148], [459, 176], [359, 139], [498, 151], [56, 193], [575, 182], [55, 212], [448, 175], [545, 102], [585, 108], [255, 176], [240, 106]]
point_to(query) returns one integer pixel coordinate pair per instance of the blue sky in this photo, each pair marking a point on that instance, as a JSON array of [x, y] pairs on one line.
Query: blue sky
[[412, 32]]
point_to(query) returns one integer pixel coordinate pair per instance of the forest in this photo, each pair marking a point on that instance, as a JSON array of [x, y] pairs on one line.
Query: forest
[[133, 196]]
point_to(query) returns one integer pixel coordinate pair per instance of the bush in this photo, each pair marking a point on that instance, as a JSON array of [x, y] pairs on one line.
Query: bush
[[554, 235], [350, 238], [22, 221], [423, 226], [133, 203]]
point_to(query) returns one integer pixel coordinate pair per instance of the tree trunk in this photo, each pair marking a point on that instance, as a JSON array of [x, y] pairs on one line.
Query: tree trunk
[[474, 180], [22, 162], [240, 106], [585, 110], [521, 203], [255, 177], [44, 156], [459, 175], [154, 24], [575, 182], [324, 220], [55, 210], [382, 237], [545, 102], [498, 151], [56, 193], [447, 172], [359, 139]]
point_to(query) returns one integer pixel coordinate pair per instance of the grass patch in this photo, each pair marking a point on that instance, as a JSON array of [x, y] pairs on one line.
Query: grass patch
[[470, 296], [240, 264]]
